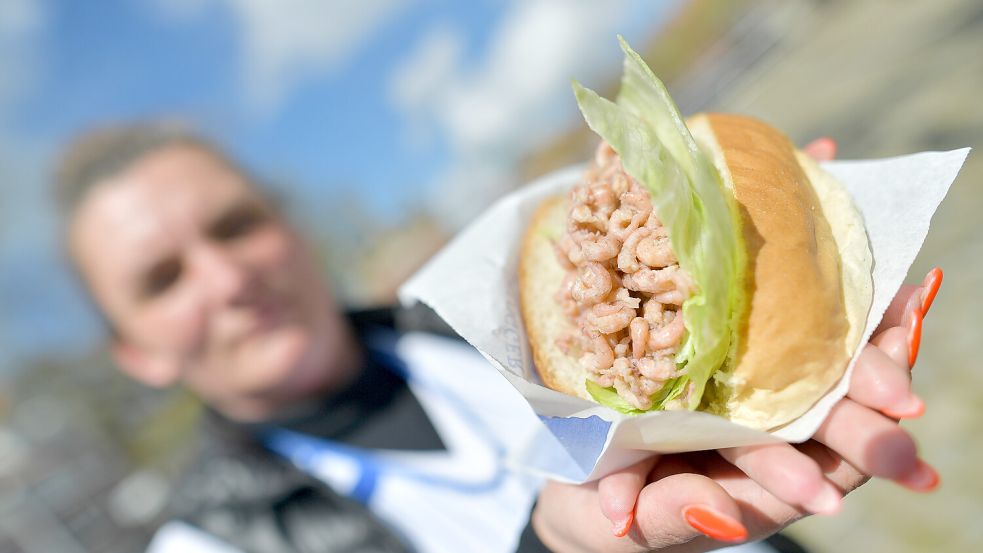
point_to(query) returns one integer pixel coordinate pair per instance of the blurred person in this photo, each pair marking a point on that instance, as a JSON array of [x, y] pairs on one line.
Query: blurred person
[[327, 431]]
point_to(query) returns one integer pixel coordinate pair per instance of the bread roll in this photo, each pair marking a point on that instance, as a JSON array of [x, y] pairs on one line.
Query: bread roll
[[808, 279]]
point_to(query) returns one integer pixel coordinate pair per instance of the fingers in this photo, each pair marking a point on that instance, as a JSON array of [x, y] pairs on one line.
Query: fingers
[[788, 474], [894, 343], [875, 445], [882, 381], [680, 507], [821, 149], [844, 475], [618, 491], [900, 306]]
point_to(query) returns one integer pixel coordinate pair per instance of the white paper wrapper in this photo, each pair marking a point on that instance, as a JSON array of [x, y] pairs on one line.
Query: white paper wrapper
[[472, 284]]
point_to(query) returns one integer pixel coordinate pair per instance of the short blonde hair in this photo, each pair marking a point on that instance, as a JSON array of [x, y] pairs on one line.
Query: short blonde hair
[[97, 155]]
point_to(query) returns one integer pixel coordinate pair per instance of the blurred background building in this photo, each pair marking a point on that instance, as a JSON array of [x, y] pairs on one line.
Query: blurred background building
[[386, 126]]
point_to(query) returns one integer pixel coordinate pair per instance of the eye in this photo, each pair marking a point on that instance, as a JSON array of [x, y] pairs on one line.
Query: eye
[[238, 222], [161, 276]]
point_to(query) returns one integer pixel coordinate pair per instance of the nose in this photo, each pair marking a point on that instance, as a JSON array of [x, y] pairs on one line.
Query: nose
[[222, 276]]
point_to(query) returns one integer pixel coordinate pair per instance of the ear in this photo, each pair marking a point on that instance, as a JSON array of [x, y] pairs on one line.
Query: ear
[[153, 369]]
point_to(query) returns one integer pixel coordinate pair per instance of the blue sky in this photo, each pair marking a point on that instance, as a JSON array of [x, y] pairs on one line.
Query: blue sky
[[402, 103]]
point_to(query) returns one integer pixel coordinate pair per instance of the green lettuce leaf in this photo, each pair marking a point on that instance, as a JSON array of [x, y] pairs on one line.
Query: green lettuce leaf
[[609, 397], [645, 128]]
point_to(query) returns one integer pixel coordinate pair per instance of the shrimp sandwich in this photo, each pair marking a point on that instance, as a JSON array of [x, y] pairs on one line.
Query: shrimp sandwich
[[701, 264]]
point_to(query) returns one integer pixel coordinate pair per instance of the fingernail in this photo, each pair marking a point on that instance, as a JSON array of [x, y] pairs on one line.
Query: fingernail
[[930, 287], [827, 502], [713, 524], [911, 408], [621, 527], [922, 479], [824, 148], [914, 337]]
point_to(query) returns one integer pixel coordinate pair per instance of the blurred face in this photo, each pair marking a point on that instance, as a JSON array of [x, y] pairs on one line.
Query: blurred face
[[207, 285]]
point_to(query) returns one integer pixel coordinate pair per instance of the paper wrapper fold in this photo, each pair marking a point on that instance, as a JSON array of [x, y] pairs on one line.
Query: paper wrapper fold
[[472, 284]]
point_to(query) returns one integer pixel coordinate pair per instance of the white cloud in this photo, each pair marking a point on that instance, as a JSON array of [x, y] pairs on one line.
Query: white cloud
[[18, 17], [436, 57], [286, 41], [419, 79], [533, 54], [516, 96]]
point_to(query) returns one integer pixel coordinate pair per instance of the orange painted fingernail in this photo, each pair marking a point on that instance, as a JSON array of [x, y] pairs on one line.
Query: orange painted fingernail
[[914, 337], [621, 528], [713, 524], [912, 408], [922, 479], [931, 285]]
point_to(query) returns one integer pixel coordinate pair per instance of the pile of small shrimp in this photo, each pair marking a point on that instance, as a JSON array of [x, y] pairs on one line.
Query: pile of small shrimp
[[623, 286]]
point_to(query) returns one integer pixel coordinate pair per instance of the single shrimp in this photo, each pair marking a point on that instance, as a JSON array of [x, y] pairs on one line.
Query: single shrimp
[[655, 281], [627, 257], [580, 194], [604, 154], [608, 318], [582, 215], [564, 297], [621, 348], [593, 283], [669, 334], [592, 205], [599, 248], [653, 221], [672, 297], [632, 392], [637, 199], [657, 369], [602, 356], [620, 183], [625, 297], [652, 310], [603, 199], [638, 329], [603, 380], [623, 222], [569, 247], [648, 386], [654, 249]]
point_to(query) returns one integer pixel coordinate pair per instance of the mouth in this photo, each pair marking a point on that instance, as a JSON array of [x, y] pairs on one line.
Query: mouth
[[266, 317]]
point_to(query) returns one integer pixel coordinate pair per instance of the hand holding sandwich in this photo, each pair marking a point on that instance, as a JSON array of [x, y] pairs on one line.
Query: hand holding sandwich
[[674, 502]]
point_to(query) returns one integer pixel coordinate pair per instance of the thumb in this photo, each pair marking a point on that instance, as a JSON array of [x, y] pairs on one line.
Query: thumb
[[681, 507]]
